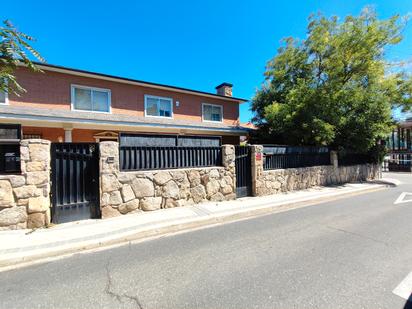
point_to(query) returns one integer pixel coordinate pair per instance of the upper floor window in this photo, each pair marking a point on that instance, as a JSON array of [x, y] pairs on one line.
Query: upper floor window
[[90, 99], [3, 97], [158, 106], [212, 112]]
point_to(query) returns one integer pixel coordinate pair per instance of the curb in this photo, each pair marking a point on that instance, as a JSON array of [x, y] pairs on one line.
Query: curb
[[21, 259]]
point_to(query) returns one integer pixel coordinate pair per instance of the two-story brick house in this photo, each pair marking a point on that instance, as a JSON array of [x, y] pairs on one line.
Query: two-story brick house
[[70, 105]]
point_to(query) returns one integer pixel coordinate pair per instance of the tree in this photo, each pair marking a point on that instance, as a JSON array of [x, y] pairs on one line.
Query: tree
[[14, 49], [334, 88]]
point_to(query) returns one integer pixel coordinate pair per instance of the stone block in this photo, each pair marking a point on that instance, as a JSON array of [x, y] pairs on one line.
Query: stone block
[[171, 203], [231, 196], [109, 212], [127, 193], [214, 174], [171, 189], [150, 203], [217, 197], [194, 178], [110, 183], [126, 177], [143, 187], [109, 149], [24, 153], [162, 177], [38, 204], [22, 202], [27, 191], [17, 181], [35, 166], [205, 179], [198, 193], [212, 187], [13, 215], [39, 152], [37, 178], [227, 189], [129, 206], [6, 194], [104, 199], [179, 176], [36, 220], [115, 198]]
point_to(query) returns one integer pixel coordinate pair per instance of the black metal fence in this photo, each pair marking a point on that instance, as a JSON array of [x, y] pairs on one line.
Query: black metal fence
[[294, 160], [134, 158], [349, 158], [285, 156], [399, 162]]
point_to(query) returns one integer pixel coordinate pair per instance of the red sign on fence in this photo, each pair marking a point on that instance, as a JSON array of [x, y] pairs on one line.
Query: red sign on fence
[[258, 156]]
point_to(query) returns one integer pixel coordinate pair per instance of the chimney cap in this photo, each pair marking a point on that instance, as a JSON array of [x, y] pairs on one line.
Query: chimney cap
[[224, 84]]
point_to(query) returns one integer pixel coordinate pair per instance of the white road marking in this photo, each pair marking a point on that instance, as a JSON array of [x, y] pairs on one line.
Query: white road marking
[[404, 289], [401, 198]]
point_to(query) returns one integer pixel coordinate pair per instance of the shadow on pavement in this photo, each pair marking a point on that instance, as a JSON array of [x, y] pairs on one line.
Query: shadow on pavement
[[382, 182]]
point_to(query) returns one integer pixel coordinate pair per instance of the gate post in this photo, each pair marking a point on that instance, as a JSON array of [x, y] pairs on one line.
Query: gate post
[[228, 162], [257, 166], [34, 189], [334, 159]]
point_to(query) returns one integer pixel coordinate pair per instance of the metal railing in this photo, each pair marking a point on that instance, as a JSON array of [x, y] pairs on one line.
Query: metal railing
[[398, 162], [294, 160], [135, 158]]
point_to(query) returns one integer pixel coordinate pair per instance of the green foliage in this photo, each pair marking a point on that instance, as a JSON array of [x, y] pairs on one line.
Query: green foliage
[[14, 49], [334, 88]]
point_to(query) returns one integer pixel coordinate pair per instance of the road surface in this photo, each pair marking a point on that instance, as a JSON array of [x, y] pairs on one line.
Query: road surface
[[348, 253]]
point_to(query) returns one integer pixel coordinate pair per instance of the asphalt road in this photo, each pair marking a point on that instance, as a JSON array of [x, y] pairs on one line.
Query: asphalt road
[[348, 253]]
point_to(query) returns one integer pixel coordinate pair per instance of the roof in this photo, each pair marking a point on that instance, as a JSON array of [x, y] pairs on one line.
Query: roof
[[224, 84], [68, 116], [405, 123], [58, 68], [248, 125]]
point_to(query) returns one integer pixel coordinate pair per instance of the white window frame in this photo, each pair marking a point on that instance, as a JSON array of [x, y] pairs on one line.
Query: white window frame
[[148, 96], [6, 97], [109, 96], [215, 105]]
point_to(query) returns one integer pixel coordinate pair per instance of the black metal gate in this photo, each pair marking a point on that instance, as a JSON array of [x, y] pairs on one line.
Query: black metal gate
[[243, 171], [75, 181]]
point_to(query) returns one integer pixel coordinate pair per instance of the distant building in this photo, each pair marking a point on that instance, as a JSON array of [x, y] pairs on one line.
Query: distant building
[[248, 125]]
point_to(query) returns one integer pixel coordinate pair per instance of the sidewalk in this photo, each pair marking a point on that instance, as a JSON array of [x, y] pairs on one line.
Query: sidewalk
[[20, 247]]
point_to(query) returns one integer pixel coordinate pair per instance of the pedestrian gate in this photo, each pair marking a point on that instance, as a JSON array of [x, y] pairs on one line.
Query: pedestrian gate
[[75, 181], [243, 171]]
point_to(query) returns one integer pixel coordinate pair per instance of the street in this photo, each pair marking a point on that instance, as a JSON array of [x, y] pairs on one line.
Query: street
[[348, 253]]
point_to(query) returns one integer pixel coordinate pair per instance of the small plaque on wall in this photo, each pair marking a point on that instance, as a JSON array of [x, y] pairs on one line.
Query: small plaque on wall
[[258, 156], [110, 160]]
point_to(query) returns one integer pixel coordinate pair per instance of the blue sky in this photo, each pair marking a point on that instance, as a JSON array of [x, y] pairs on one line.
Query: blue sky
[[193, 44]]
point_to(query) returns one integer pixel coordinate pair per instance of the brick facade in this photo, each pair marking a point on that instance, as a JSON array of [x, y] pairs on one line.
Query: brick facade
[[52, 90]]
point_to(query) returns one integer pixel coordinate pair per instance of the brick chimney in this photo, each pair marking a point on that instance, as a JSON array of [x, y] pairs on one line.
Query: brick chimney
[[224, 89]]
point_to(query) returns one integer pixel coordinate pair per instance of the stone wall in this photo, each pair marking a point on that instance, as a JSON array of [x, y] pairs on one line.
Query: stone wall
[[266, 182], [130, 192], [291, 179], [24, 197]]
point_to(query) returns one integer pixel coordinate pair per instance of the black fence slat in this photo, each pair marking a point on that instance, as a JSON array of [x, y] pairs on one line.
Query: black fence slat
[[156, 157], [295, 160]]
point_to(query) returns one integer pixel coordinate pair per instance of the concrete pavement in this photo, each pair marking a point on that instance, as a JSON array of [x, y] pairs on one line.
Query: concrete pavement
[[20, 247], [347, 253]]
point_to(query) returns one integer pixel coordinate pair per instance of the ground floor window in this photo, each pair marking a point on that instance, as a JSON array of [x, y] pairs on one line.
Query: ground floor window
[[10, 135]]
